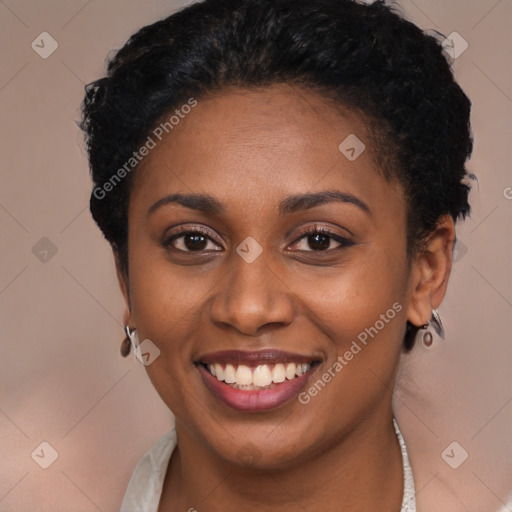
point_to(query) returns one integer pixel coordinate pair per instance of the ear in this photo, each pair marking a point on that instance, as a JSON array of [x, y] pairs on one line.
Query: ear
[[430, 272], [122, 277]]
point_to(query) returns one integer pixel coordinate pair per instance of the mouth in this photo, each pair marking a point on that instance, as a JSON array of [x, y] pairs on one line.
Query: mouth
[[255, 381]]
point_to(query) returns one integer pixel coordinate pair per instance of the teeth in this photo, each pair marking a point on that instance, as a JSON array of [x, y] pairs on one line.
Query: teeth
[[219, 372], [278, 373], [263, 376], [290, 371], [243, 375], [229, 374]]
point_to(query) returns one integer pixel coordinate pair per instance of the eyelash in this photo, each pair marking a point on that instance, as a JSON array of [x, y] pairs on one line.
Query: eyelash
[[184, 230], [312, 230]]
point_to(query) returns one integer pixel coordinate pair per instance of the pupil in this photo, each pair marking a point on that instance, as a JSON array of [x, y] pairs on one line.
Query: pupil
[[195, 242], [318, 242]]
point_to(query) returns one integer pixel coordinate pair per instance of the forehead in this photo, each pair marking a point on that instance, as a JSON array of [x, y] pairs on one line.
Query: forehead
[[259, 144]]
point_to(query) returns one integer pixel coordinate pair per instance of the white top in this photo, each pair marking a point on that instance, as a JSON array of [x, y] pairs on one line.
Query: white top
[[145, 486]]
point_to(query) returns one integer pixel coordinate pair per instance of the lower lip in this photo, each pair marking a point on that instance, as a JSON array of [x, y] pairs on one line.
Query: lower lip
[[255, 400]]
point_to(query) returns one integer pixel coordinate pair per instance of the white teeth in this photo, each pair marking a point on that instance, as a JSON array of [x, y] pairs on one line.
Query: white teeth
[[290, 371], [219, 372], [247, 378], [278, 373], [262, 376], [243, 375], [229, 374]]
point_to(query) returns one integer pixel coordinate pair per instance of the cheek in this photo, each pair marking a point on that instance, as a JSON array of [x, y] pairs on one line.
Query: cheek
[[166, 300], [362, 312], [350, 300], [160, 302], [166, 308]]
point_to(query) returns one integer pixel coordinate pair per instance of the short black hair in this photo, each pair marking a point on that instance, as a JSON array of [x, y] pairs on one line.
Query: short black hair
[[367, 57]]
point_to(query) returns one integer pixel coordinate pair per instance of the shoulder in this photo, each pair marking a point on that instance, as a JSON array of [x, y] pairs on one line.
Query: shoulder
[[145, 486]]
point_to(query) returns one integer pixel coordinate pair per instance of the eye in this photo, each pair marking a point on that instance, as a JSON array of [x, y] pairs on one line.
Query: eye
[[318, 238], [190, 239]]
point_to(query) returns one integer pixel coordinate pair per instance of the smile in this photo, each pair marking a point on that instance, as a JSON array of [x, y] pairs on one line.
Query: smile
[[255, 381], [259, 377]]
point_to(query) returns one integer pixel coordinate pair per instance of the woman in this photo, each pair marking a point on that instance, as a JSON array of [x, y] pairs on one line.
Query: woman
[[279, 181]]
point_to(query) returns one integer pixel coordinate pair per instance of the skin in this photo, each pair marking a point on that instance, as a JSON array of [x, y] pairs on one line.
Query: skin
[[250, 150]]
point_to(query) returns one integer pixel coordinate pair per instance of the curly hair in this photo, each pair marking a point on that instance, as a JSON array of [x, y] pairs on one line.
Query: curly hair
[[363, 56]]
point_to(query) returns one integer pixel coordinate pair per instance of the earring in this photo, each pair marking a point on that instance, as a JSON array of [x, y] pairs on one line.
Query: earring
[[436, 324], [130, 339]]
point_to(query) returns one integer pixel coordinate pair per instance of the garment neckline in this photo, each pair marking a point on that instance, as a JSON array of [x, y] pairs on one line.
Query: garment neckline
[[409, 494], [146, 484]]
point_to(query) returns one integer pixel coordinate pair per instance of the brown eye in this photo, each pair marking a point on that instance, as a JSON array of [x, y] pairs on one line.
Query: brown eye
[[321, 239], [191, 240], [195, 242], [318, 242]]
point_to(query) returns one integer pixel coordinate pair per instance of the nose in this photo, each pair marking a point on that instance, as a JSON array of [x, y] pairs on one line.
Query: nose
[[253, 299]]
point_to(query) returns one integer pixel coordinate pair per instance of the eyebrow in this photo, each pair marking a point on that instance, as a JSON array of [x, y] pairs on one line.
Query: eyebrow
[[208, 205], [201, 202], [306, 201]]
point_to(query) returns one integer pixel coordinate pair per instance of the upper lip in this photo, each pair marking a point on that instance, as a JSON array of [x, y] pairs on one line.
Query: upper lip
[[256, 357]]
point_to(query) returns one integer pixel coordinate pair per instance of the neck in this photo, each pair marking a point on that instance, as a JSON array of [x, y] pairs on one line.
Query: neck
[[362, 471]]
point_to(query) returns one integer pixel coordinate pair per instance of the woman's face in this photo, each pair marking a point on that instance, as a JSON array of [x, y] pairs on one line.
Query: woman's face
[[255, 257]]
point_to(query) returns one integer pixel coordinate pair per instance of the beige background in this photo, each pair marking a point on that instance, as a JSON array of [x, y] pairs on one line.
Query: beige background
[[61, 377]]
